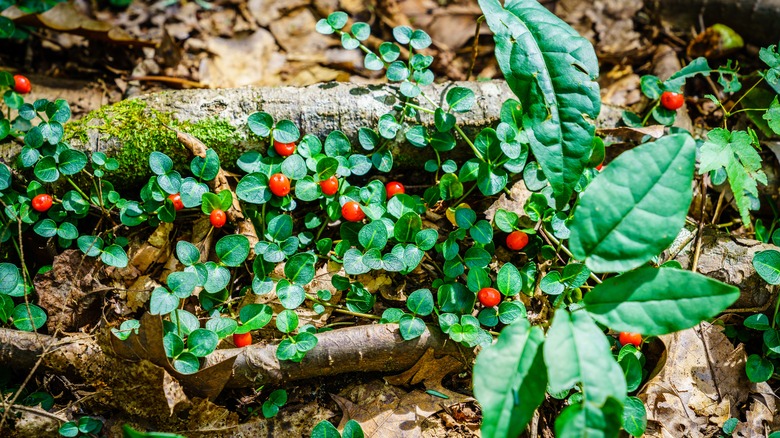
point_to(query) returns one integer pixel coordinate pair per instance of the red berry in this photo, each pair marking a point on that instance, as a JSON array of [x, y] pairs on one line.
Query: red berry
[[516, 240], [217, 218], [279, 184], [352, 212], [672, 101], [42, 202], [634, 339], [393, 188], [22, 85], [284, 149], [330, 186], [176, 199], [489, 297], [242, 339]]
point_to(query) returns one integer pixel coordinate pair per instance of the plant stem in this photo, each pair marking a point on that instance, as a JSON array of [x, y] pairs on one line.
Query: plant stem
[[566, 250]]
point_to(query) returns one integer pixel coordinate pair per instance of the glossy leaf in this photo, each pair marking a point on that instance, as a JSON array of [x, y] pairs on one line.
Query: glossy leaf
[[552, 70], [576, 351], [636, 206], [510, 380], [658, 301]]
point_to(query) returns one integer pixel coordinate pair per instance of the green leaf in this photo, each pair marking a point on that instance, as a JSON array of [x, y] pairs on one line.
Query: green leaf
[[373, 235], [160, 163], [455, 298], [352, 430], [588, 419], [407, 227], [634, 416], [261, 123], [767, 264], [636, 206], [658, 301], [182, 283], [114, 255], [206, 167], [222, 326], [72, 161], [285, 131], [186, 363], [300, 268], [253, 188], [46, 170], [411, 327], [287, 321], [187, 253], [419, 40], [324, 429], [557, 86], [576, 351], [397, 71], [460, 100], [508, 281], [757, 368], [338, 19], [233, 249], [202, 342], [28, 317], [420, 302], [510, 380], [337, 144], [162, 302], [734, 151], [254, 317]]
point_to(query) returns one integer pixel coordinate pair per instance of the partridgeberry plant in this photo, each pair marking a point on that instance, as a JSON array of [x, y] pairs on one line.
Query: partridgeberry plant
[[586, 248]]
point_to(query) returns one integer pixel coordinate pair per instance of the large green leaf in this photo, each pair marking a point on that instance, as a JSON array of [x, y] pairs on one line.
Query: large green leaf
[[552, 70], [658, 301], [590, 420], [576, 351], [510, 380], [636, 206]]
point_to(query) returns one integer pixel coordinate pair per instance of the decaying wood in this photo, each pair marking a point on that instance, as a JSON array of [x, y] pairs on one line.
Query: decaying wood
[[367, 348]]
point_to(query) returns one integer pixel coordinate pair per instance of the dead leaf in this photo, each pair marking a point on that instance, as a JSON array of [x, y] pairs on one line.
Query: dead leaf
[[701, 385], [633, 134], [147, 345], [70, 293], [64, 17], [254, 60], [388, 411]]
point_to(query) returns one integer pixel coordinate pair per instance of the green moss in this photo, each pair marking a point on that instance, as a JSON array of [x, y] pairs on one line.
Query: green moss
[[141, 130]]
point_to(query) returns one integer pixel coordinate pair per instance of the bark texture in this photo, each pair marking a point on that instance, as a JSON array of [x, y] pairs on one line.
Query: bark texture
[[367, 348]]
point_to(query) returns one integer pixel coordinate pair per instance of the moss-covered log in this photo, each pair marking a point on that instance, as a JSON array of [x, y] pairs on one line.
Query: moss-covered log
[[131, 129]]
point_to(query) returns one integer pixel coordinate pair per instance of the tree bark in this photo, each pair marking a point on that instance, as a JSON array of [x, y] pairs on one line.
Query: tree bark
[[366, 348]]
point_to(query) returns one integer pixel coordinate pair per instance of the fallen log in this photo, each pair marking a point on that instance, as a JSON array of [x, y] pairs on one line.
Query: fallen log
[[366, 348], [130, 130]]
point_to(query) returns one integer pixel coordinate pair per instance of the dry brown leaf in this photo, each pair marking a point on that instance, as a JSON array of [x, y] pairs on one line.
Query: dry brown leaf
[[388, 411], [64, 17], [147, 344], [254, 60], [701, 385], [70, 292]]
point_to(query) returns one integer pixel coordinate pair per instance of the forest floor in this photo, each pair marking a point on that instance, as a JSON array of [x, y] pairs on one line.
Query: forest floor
[[154, 46]]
